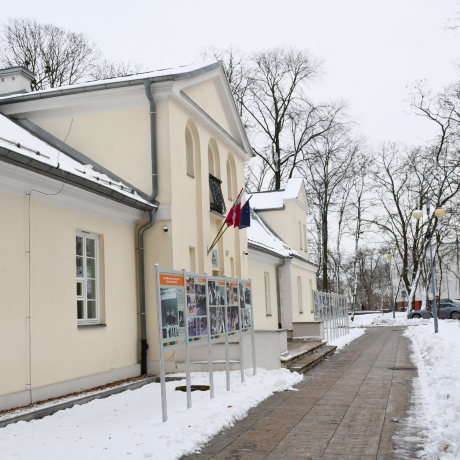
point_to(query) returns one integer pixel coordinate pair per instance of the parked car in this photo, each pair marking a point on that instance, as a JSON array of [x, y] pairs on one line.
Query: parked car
[[446, 310]]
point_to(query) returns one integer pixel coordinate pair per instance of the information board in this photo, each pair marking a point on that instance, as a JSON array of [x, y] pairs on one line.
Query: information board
[[233, 317], [245, 306], [197, 314], [173, 316], [216, 301]]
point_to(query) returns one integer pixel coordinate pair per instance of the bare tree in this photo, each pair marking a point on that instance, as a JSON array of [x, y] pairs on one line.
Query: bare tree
[[326, 165], [237, 69], [57, 56], [105, 69]]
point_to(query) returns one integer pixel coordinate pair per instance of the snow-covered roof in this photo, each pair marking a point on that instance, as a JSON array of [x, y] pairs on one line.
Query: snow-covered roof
[[16, 139], [178, 73], [275, 199], [260, 234]]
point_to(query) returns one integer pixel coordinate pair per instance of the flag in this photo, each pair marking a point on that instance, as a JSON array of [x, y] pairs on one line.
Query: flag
[[229, 219], [237, 210], [245, 220]]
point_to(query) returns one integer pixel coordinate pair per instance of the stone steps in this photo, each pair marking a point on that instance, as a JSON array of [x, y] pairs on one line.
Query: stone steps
[[305, 361]]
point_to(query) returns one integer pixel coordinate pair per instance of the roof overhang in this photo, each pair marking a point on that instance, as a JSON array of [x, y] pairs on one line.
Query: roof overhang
[[129, 92]]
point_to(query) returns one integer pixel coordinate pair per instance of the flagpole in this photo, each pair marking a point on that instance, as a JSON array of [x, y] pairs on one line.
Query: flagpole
[[218, 233], [218, 239]]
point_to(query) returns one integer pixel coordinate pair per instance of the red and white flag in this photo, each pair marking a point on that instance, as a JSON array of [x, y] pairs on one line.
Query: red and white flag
[[237, 210]]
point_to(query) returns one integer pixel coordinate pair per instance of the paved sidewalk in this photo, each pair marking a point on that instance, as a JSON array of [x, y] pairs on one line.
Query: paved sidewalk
[[346, 408]]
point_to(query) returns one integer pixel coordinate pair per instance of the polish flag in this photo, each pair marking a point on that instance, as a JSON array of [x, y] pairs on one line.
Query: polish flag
[[237, 210], [229, 219]]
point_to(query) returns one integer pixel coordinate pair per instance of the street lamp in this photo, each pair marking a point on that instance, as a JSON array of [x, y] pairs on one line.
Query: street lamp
[[439, 212], [389, 257]]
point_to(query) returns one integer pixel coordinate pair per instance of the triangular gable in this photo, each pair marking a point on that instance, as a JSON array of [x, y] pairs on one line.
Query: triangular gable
[[205, 95], [295, 192], [211, 93]]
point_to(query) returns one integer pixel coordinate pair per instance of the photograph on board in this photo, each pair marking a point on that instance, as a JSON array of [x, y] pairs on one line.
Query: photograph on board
[[181, 318], [233, 324], [235, 294], [246, 318], [247, 296], [220, 297], [190, 285], [169, 313], [191, 307], [217, 320], [192, 327], [200, 300], [212, 293], [241, 295], [203, 325]]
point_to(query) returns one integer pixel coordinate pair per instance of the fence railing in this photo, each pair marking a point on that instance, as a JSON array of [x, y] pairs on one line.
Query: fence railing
[[332, 310]]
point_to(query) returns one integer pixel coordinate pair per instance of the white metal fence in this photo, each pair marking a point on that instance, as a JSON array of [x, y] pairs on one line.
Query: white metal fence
[[332, 310]]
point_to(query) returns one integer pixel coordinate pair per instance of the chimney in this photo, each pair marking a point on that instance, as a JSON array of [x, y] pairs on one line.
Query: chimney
[[15, 80]]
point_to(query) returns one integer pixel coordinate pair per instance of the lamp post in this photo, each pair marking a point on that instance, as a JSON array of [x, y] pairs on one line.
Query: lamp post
[[390, 256], [417, 214]]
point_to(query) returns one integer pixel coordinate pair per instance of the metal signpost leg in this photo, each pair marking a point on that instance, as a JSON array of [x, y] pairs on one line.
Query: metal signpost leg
[[227, 357], [211, 375], [254, 365], [241, 332], [164, 409], [187, 349]]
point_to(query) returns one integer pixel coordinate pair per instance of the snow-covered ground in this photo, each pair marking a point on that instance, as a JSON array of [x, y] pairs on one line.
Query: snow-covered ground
[[128, 425], [346, 339], [377, 319], [437, 387]]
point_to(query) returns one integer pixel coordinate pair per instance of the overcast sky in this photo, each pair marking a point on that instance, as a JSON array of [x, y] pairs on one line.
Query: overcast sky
[[372, 49]]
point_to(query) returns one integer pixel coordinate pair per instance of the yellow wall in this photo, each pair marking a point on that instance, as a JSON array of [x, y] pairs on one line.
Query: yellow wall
[[306, 276], [206, 96], [60, 350], [118, 140], [261, 320]]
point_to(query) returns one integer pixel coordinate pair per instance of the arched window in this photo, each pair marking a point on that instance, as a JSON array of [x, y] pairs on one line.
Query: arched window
[[189, 152], [210, 161], [229, 181]]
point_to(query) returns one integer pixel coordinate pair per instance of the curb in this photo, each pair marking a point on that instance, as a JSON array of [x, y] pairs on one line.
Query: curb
[[40, 413]]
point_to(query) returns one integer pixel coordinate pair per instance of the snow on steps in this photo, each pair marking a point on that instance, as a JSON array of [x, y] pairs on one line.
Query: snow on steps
[[303, 361]]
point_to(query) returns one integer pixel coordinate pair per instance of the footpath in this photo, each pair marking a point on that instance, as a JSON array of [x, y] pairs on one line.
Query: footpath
[[348, 407]]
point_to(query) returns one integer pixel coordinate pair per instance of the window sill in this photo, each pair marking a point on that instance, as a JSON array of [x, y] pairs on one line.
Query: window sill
[[215, 215], [301, 312], [189, 175], [268, 315], [85, 326]]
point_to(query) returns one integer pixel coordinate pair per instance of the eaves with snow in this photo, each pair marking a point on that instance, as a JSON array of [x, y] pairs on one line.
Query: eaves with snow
[[21, 148], [260, 234]]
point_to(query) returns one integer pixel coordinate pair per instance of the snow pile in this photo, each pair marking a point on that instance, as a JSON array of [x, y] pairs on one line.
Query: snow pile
[[437, 387], [130, 423], [377, 320], [346, 339]]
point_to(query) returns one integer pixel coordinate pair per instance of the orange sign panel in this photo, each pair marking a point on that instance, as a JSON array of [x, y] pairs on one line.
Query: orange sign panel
[[171, 280]]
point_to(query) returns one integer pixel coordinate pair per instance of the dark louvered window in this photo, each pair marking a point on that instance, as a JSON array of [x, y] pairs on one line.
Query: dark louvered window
[[217, 198]]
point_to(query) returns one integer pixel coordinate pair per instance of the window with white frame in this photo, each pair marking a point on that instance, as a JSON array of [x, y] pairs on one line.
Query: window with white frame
[[267, 293], [299, 294], [87, 265]]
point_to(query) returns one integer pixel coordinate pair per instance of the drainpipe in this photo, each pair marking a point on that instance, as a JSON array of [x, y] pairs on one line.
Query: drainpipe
[[278, 295], [153, 149]]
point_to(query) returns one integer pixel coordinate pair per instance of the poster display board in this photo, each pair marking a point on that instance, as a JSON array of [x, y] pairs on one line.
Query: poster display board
[[216, 301], [233, 317], [194, 309], [172, 309], [245, 306], [332, 310], [197, 311]]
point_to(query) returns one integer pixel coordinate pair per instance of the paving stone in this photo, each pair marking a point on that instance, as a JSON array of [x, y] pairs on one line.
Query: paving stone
[[343, 409]]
